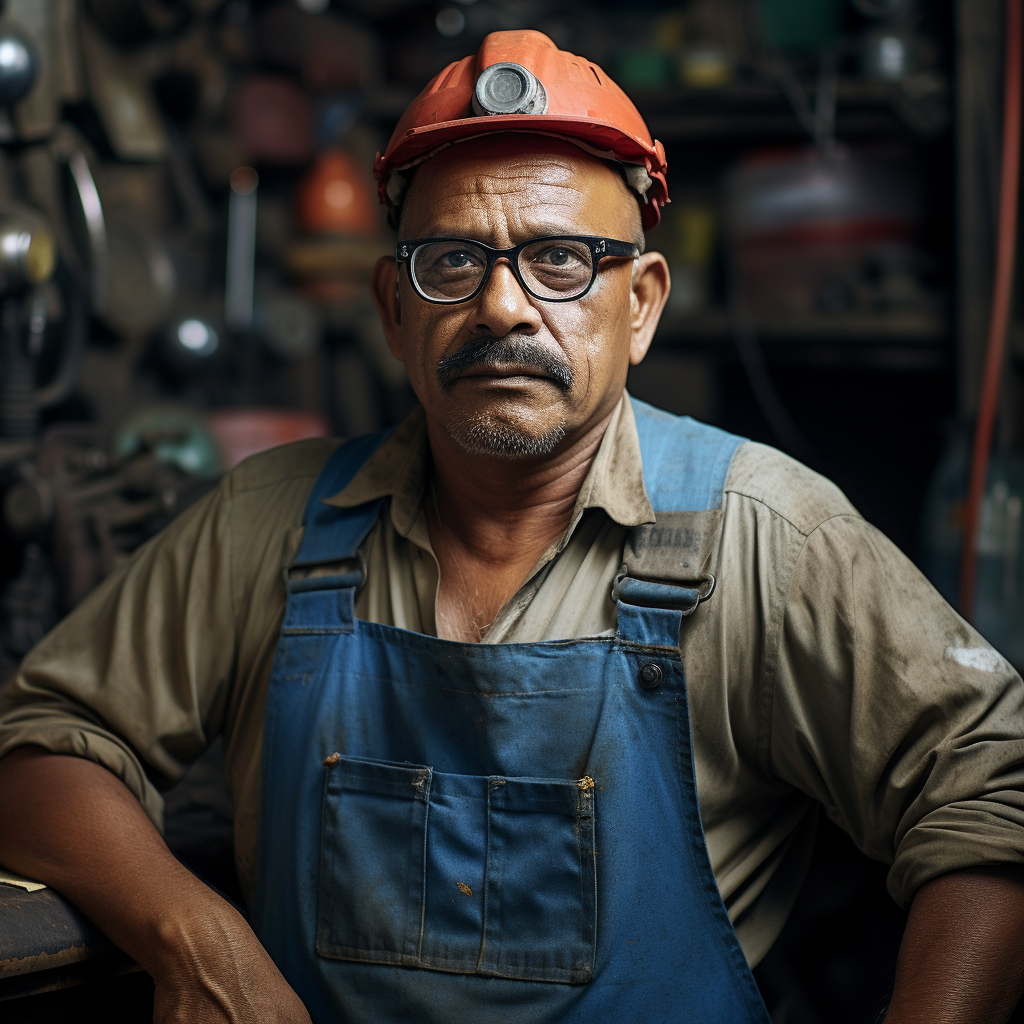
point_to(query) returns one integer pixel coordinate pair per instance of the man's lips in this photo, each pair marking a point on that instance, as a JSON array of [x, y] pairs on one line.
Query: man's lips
[[504, 373]]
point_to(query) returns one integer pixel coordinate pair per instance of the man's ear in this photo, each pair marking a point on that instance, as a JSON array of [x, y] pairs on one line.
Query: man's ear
[[384, 289], [650, 288]]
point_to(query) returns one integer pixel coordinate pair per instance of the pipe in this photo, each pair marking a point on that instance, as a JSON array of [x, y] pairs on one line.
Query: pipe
[[95, 227], [1001, 295], [76, 330], [238, 288]]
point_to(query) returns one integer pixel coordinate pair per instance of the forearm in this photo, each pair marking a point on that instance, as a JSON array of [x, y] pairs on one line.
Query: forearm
[[962, 956], [72, 824]]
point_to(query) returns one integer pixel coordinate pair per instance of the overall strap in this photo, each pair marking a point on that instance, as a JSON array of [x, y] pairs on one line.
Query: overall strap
[[333, 534], [666, 565], [322, 601], [685, 462]]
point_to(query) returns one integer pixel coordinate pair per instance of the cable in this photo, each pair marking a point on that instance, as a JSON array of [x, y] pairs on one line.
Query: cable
[[1001, 294], [748, 348], [819, 123], [792, 88]]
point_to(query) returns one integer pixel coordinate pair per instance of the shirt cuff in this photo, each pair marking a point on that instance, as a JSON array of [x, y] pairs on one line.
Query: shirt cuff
[[971, 834], [68, 735]]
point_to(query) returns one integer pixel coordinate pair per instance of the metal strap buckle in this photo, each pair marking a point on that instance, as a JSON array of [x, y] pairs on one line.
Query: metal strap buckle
[[320, 577], [660, 594]]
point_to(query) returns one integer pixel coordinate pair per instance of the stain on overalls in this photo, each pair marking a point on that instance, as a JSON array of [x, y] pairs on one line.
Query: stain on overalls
[[498, 832]]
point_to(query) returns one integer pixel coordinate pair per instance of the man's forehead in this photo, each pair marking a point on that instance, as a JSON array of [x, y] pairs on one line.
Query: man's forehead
[[534, 179]]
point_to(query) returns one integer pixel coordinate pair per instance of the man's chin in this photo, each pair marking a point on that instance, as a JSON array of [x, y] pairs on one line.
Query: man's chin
[[500, 438]]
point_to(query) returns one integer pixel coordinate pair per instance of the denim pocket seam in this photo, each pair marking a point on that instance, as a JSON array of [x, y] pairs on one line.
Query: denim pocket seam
[[394, 782], [407, 945], [423, 866], [588, 872]]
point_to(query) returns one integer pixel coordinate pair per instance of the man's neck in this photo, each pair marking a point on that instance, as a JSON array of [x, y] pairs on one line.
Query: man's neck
[[500, 507], [490, 520]]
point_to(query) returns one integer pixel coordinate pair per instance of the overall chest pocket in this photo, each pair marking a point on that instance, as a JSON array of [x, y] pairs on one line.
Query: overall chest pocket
[[469, 874]]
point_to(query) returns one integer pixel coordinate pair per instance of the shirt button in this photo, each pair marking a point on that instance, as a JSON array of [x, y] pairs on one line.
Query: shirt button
[[650, 676]]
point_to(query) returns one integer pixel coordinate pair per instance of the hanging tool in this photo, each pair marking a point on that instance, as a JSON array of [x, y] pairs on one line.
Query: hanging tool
[[27, 262], [241, 249]]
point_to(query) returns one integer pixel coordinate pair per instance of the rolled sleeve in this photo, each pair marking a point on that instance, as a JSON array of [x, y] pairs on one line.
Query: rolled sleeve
[[895, 713], [135, 677]]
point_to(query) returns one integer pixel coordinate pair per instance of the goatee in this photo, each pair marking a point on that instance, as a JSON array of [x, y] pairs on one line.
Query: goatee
[[485, 434]]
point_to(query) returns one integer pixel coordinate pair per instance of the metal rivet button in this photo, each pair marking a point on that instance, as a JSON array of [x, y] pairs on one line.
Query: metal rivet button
[[650, 676]]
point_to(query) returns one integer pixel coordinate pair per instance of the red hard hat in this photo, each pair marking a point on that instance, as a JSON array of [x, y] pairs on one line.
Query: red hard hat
[[521, 82]]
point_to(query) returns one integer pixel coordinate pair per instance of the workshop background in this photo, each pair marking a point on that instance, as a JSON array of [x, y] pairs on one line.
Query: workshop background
[[187, 226]]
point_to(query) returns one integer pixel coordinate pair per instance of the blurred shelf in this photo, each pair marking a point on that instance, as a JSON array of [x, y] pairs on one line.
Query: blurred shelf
[[922, 328], [334, 257], [899, 341], [760, 110]]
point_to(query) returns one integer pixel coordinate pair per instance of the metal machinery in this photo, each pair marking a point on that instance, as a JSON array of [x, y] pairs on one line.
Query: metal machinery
[[72, 507]]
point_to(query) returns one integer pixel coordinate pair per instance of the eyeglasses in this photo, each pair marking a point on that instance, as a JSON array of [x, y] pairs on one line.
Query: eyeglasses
[[555, 268]]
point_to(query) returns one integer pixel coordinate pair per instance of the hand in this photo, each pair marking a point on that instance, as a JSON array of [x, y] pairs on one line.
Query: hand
[[220, 973]]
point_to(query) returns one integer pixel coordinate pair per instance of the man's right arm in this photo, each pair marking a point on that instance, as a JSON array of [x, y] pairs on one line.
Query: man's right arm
[[72, 824], [114, 704]]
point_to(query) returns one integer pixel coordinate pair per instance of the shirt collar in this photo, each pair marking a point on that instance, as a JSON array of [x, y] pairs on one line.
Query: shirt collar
[[399, 470]]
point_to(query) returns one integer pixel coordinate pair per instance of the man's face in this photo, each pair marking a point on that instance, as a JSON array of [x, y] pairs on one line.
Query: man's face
[[505, 373]]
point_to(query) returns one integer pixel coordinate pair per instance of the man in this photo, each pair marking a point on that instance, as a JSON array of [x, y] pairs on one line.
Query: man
[[473, 676]]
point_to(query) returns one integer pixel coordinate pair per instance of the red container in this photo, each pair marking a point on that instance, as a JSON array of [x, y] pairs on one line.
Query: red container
[[811, 233], [244, 432], [335, 198]]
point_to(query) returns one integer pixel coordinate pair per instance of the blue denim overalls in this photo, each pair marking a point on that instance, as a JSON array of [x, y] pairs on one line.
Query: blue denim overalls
[[498, 832]]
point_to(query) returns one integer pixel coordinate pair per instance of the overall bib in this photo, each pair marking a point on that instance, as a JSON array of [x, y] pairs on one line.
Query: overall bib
[[498, 832]]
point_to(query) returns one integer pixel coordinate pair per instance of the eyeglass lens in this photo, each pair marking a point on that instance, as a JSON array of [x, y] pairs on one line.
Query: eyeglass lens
[[557, 268]]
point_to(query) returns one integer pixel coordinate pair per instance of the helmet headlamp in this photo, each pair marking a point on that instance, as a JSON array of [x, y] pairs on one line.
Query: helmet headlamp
[[507, 88]]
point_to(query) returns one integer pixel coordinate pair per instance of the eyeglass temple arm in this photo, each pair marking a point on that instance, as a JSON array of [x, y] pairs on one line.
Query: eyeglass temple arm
[[611, 247]]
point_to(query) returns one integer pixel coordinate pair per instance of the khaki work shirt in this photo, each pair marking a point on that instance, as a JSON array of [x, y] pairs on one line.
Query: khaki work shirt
[[825, 668]]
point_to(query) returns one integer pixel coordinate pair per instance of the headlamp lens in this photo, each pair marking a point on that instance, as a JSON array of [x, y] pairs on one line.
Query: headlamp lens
[[508, 88]]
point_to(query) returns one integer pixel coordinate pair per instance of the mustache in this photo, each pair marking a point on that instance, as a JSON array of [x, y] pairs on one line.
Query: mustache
[[511, 349]]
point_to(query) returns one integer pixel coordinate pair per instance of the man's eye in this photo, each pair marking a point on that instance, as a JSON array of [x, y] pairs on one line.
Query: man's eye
[[457, 259], [558, 257]]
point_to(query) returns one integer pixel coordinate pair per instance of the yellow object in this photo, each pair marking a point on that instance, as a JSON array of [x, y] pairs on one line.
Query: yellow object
[[40, 258], [696, 228], [705, 67]]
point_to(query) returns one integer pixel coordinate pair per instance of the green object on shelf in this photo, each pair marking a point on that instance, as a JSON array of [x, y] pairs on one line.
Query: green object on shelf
[[801, 24], [644, 69], [178, 436]]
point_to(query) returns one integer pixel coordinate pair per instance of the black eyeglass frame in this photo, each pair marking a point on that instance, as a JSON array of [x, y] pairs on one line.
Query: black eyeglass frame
[[599, 249]]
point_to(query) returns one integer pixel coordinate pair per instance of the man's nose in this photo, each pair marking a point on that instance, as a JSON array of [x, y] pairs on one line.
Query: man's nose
[[504, 306]]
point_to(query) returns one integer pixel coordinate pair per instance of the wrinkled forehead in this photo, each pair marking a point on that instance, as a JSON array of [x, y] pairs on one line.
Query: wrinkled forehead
[[517, 185]]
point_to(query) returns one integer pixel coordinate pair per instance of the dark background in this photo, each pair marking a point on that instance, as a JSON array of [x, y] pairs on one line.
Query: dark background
[[870, 375]]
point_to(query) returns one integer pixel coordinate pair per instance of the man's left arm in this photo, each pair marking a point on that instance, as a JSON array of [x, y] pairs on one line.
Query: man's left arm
[[909, 728], [962, 955]]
